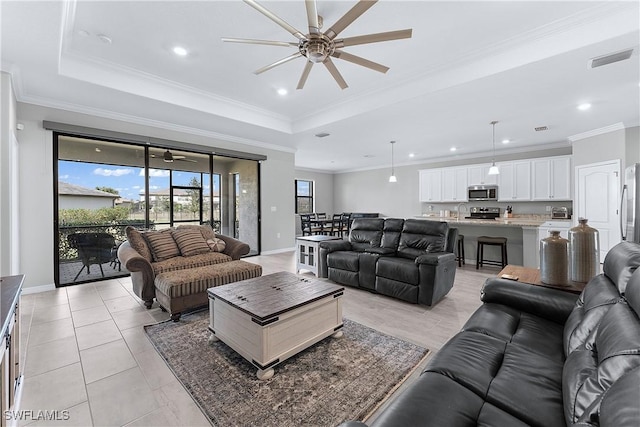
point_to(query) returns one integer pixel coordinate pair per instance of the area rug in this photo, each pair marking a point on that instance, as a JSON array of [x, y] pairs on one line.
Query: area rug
[[336, 380]]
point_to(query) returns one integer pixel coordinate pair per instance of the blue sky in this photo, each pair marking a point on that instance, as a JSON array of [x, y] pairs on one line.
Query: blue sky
[[129, 181]]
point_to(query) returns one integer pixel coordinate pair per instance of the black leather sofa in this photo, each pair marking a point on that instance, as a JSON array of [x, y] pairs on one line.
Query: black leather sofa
[[412, 260], [538, 357]]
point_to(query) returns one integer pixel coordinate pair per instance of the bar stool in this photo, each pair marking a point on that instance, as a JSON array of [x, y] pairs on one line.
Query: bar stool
[[460, 254], [491, 241]]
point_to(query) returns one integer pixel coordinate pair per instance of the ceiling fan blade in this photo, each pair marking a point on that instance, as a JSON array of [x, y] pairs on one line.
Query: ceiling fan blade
[[360, 61], [312, 16], [374, 38], [305, 74], [256, 41], [335, 73], [361, 7], [275, 18], [280, 62]]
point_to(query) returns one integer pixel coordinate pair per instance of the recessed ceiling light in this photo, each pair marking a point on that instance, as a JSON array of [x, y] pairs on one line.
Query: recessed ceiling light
[[322, 134], [104, 38], [452, 149], [180, 51], [584, 107], [505, 141], [412, 154], [83, 33], [282, 91]]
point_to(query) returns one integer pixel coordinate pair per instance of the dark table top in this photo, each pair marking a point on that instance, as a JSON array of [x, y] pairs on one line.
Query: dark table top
[[10, 287], [271, 295]]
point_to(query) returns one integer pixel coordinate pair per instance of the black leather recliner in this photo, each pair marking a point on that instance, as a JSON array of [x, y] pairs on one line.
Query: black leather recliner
[[412, 260], [534, 356]]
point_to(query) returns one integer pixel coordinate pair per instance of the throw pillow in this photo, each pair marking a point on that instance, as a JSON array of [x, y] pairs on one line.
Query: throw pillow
[[206, 230], [162, 244], [190, 242], [138, 243], [216, 245]]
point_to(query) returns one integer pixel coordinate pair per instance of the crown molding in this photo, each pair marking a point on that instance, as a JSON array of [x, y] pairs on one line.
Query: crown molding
[[143, 121], [607, 129], [478, 156]]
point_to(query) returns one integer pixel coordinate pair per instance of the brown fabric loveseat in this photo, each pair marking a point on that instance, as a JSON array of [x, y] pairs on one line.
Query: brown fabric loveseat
[[177, 265]]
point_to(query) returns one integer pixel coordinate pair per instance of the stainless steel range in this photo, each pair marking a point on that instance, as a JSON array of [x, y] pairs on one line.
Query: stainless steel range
[[483, 213]]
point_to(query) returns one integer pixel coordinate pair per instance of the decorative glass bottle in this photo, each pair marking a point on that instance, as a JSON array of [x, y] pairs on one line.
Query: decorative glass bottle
[[554, 259], [584, 248]]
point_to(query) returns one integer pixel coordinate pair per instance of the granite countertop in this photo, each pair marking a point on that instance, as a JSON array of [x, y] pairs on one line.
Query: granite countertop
[[503, 222]]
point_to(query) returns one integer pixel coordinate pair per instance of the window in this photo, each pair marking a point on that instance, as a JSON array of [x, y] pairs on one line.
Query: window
[[304, 196]]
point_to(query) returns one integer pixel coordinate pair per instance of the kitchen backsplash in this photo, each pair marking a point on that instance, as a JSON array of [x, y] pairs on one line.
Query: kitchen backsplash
[[519, 209]]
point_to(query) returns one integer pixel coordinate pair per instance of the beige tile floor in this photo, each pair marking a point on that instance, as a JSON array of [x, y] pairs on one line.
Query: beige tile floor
[[86, 350]]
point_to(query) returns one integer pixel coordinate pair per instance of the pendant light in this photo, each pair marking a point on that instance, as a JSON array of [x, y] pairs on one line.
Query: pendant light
[[392, 178], [493, 170]]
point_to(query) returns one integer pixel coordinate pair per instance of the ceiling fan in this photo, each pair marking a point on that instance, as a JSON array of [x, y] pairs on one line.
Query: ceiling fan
[[320, 47], [169, 157]]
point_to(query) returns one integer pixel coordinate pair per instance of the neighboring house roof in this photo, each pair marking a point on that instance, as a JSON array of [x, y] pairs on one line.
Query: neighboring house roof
[[66, 189]]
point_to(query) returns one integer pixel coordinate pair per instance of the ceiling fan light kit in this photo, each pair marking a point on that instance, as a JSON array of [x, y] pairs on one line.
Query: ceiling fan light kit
[[318, 47]]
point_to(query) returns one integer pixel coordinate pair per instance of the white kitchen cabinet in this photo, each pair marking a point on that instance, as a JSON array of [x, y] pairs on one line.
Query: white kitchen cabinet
[[551, 178], [479, 175], [430, 185], [454, 184], [514, 181]]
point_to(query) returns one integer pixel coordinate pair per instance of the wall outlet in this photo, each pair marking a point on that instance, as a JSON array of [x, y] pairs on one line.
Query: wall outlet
[[278, 235], [548, 208], [273, 209]]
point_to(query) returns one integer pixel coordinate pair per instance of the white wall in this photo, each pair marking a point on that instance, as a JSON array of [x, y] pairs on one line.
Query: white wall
[[632, 139], [36, 191], [600, 148], [9, 214], [323, 189]]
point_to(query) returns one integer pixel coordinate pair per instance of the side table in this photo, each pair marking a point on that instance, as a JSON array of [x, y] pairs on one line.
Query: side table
[[307, 249], [532, 276]]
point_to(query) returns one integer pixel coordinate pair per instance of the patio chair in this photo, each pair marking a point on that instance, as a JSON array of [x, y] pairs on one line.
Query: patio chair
[[93, 248]]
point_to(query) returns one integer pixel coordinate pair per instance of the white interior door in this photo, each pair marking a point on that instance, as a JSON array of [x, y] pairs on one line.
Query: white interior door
[[598, 188]]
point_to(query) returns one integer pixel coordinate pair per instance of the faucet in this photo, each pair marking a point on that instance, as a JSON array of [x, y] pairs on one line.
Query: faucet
[[458, 208]]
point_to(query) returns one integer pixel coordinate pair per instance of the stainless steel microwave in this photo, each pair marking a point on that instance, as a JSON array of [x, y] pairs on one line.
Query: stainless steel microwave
[[482, 192]]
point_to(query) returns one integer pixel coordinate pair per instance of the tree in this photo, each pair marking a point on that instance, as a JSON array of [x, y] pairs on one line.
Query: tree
[[108, 190], [194, 193]]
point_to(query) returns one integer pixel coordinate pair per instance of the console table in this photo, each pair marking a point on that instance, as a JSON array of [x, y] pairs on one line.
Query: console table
[[532, 276], [10, 374], [307, 249]]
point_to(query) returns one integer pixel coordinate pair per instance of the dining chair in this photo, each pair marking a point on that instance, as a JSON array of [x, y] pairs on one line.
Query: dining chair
[[321, 215], [345, 224], [335, 225], [305, 222]]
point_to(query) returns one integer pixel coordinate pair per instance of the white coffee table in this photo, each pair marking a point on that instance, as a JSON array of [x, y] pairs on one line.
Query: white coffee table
[[271, 318]]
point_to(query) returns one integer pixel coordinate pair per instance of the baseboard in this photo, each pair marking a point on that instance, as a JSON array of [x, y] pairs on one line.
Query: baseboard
[[38, 289], [278, 251]]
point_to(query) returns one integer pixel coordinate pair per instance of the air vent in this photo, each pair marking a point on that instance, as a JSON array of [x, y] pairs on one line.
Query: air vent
[[610, 58], [322, 134], [541, 128]]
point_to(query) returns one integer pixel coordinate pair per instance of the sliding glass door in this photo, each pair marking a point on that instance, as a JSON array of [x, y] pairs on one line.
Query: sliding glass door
[[103, 186]]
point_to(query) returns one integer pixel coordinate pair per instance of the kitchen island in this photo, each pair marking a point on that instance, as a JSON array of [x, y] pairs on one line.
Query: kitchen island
[[522, 233]]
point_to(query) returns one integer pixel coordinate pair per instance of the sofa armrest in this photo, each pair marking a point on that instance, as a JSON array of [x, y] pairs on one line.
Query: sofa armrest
[[324, 249], [353, 424], [334, 245], [552, 304], [435, 258], [234, 247], [142, 275]]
